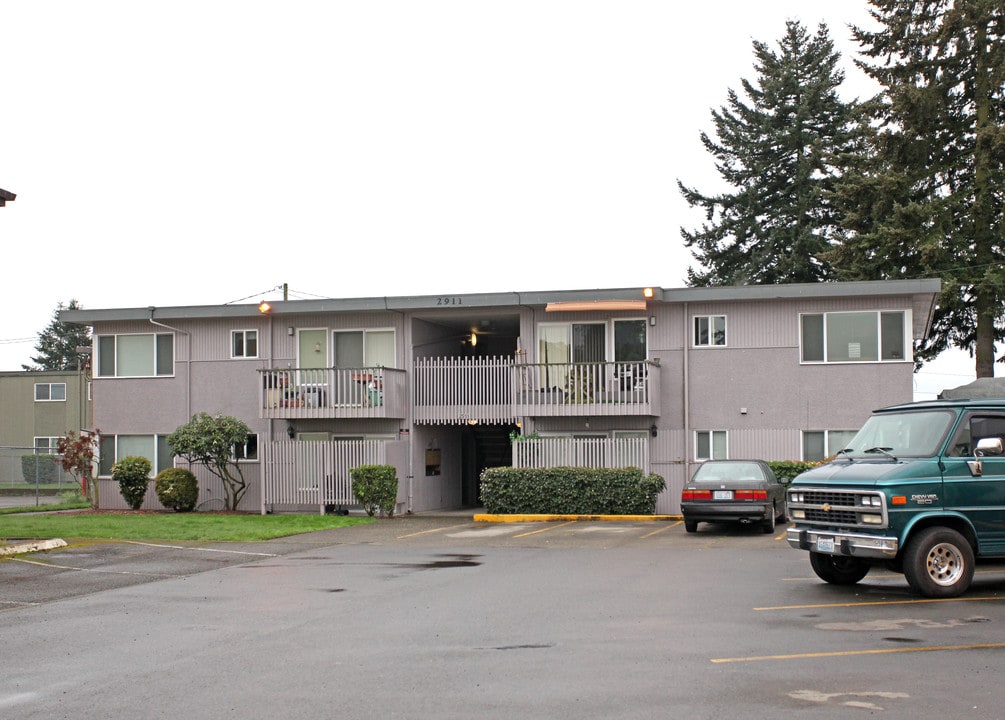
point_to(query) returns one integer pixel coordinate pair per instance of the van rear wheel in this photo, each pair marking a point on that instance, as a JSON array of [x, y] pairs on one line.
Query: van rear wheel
[[838, 570], [939, 563]]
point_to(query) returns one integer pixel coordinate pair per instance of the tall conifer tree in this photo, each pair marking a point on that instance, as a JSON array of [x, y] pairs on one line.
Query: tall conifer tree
[[58, 343], [776, 151], [926, 194]]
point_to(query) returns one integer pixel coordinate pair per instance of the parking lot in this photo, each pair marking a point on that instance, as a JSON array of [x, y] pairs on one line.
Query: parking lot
[[442, 617]]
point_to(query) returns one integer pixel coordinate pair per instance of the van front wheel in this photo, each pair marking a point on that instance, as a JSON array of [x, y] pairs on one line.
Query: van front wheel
[[838, 570], [939, 563]]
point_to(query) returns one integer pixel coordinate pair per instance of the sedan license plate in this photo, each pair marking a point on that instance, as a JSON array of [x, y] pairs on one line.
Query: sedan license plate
[[722, 494], [825, 544]]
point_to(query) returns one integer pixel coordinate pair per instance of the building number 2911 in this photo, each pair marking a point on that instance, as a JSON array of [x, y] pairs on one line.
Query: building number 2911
[[449, 301]]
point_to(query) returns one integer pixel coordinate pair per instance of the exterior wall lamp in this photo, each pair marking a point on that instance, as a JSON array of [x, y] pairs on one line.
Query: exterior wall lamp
[[653, 431], [291, 431]]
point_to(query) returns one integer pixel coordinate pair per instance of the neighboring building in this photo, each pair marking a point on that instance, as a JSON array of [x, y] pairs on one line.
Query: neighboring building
[[436, 385], [38, 409]]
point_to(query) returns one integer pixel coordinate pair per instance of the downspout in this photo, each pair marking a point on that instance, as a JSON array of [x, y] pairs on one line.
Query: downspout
[[188, 364], [686, 408]]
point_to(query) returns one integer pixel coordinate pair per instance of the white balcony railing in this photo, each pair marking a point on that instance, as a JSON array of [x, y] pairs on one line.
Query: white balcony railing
[[333, 392]]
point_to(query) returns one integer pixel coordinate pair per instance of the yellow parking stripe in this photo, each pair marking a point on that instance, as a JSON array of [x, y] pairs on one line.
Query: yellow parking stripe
[[915, 601], [546, 529], [661, 530], [851, 653], [434, 530]]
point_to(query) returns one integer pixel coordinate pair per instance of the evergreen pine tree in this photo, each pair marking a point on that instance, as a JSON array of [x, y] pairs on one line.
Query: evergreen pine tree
[[777, 151], [57, 344], [925, 197]]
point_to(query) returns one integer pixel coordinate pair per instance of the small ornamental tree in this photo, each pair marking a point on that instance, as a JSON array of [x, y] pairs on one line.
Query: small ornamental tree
[[211, 441], [376, 488], [132, 474], [76, 456]]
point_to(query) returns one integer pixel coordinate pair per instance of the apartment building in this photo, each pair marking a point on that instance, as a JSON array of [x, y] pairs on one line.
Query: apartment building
[[443, 386]]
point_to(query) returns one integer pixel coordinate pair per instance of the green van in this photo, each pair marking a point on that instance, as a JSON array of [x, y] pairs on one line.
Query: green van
[[920, 490]]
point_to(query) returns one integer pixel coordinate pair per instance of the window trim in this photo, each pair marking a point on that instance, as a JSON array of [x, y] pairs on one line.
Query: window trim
[[98, 361], [244, 344], [711, 333], [50, 386], [52, 442], [711, 444], [244, 456], [827, 442], [906, 348]]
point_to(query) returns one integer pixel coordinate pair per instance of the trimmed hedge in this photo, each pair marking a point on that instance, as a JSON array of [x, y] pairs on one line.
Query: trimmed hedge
[[376, 488], [177, 489], [41, 469], [570, 491], [132, 474], [786, 470]]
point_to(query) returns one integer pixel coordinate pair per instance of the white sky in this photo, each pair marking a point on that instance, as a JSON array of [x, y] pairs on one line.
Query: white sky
[[207, 151]]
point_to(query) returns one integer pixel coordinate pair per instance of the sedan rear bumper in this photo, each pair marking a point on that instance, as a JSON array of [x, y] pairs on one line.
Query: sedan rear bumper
[[726, 511]]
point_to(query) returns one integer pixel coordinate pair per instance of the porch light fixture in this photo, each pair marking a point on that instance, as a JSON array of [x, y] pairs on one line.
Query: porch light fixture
[[289, 331], [653, 430], [474, 338], [264, 307], [291, 431], [648, 293], [652, 320]]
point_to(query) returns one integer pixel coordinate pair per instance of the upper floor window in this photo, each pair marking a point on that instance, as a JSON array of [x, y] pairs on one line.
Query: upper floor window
[[870, 336], [363, 348], [709, 330], [710, 445], [50, 392], [142, 355], [244, 343]]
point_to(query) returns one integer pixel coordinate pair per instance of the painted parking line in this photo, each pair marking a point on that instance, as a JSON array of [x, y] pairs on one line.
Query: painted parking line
[[199, 549], [545, 529], [91, 570], [853, 653], [868, 603], [432, 530], [661, 530]]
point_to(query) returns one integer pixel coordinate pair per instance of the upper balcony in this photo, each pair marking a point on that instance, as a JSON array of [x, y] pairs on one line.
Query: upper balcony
[[300, 393], [453, 390]]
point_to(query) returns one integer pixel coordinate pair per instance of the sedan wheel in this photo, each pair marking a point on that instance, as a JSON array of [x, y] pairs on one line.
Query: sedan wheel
[[768, 525], [691, 526]]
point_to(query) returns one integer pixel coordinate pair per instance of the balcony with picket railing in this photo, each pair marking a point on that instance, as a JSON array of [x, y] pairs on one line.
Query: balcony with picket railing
[[499, 390], [365, 392]]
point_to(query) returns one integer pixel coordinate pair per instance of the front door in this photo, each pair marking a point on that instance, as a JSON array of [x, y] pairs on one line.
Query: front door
[[979, 497]]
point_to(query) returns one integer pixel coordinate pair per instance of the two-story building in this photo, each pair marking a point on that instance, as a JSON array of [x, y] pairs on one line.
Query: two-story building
[[38, 409], [440, 385]]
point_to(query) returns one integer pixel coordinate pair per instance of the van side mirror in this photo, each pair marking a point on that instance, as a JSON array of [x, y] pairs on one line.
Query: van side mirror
[[988, 446]]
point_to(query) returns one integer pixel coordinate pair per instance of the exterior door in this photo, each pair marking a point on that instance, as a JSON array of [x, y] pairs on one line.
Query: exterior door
[[980, 498]]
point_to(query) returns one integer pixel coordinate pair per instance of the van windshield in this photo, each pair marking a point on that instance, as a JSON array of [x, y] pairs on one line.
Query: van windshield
[[911, 434]]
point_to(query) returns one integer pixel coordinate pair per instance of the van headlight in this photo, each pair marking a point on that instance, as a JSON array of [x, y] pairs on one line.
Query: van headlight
[[868, 519]]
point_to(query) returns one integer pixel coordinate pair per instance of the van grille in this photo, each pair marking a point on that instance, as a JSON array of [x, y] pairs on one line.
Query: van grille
[[835, 508]]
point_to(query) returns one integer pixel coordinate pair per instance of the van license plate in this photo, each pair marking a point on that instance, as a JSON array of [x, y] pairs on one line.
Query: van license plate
[[722, 494], [825, 544]]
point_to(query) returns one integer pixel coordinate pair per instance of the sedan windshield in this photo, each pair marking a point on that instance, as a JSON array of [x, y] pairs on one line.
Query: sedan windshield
[[912, 434]]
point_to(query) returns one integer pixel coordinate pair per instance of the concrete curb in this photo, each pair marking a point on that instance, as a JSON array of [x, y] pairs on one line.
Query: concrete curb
[[486, 517], [33, 546]]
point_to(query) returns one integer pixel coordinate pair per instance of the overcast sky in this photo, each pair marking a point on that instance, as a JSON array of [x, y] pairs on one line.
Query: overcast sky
[[205, 152]]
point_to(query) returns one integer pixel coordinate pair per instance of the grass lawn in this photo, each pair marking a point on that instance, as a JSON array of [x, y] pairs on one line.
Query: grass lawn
[[166, 526]]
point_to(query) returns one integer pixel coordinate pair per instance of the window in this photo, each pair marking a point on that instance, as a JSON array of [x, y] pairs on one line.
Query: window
[[146, 355], [249, 450], [710, 445], [154, 448], [363, 348], [46, 445], [822, 444], [709, 330], [244, 343], [50, 392], [855, 337]]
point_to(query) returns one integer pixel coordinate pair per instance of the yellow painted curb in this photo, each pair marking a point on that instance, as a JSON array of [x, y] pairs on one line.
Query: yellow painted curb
[[33, 546], [486, 517]]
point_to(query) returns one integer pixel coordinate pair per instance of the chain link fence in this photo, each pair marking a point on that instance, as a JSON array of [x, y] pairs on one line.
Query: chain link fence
[[29, 477]]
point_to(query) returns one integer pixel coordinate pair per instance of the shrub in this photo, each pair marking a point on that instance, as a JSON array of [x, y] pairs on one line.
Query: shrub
[[132, 474], [177, 489], [39, 469], [570, 491], [376, 488], [786, 470]]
